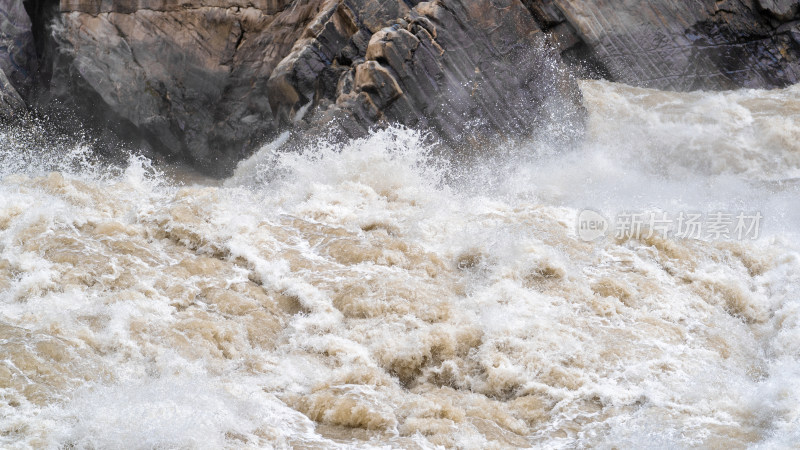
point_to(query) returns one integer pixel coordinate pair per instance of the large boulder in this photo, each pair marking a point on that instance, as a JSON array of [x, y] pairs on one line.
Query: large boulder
[[206, 81], [190, 75]]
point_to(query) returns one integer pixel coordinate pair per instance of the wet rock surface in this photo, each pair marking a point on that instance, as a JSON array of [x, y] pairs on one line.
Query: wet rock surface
[[17, 53], [192, 79], [209, 81], [11, 104], [704, 44], [461, 69]]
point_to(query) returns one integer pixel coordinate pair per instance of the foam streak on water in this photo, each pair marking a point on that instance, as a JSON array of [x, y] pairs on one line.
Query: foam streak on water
[[374, 295]]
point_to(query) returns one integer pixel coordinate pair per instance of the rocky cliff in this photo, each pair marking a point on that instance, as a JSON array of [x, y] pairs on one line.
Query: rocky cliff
[[207, 83], [680, 45], [207, 80]]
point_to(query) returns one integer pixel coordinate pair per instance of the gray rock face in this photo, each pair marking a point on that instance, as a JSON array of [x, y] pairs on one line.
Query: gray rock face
[[191, 78], [11, 104], [464, 69], [206, 83], [456, 63], [18, 63], [681, 45]]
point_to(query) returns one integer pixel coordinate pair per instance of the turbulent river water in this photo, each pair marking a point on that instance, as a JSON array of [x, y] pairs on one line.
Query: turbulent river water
[[376, 294]]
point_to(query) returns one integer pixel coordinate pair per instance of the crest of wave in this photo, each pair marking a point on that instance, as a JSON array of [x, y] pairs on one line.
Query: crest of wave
[[386, 160]]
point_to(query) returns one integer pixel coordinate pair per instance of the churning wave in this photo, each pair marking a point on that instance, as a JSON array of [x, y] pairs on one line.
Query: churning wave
[[375, 293]]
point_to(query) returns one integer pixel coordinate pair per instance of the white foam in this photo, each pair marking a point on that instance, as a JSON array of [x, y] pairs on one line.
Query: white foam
[[400, 300]]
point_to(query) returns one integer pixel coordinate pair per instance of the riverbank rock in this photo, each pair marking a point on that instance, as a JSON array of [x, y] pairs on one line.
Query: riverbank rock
[[463, 69], [664, 44], [209, 81], [191, 78]]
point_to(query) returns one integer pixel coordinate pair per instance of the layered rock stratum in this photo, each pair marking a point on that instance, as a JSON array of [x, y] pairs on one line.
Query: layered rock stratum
[[209, 81]]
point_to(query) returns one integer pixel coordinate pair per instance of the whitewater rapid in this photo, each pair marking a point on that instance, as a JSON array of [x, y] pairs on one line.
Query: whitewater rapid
[[376, 294]]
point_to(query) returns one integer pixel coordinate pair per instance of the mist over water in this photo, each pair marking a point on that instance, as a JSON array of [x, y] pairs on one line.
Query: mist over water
[[376, 293]]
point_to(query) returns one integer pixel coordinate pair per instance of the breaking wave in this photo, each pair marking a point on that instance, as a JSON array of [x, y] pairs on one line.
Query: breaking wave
[[375, 293]]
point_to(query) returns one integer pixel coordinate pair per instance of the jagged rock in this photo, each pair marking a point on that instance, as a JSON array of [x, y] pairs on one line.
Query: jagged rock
[[456, 64], [444, 65], [17, 51], [207, 81], [294, 82], [378, 82], [338, 38]]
